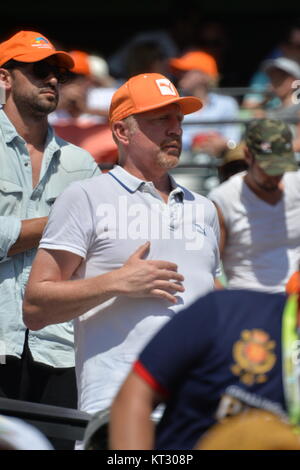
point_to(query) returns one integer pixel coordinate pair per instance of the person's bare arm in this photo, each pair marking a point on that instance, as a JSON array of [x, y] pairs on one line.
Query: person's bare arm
[[223, 230], [130, 426], [223, 240], [30, 235], [51, 297], [296, 140]]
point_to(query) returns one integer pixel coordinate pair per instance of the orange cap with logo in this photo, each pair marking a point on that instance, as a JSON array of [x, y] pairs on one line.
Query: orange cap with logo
[[81, 63], [146, 92], [196, 60], [30, 46]]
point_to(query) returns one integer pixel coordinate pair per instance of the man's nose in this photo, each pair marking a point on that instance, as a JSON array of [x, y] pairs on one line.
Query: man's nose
[[52, 78], [52, 81], [175, 127]]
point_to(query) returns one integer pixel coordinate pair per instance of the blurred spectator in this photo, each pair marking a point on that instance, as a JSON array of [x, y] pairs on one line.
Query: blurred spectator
[[103, 86], [80, 117], [146, 57], [197, 73], [259, 211], [233, 162], [119, 61], [211, 37], [289, 47], [284, 74]]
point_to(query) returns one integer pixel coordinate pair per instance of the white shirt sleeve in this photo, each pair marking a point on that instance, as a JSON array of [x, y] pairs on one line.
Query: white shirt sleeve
[[70, 223]]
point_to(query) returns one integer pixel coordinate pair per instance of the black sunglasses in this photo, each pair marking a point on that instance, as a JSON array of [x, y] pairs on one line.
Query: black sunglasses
[[42, 70]]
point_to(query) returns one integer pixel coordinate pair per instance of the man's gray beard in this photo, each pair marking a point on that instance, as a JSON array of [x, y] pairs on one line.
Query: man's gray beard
[[168, 162]]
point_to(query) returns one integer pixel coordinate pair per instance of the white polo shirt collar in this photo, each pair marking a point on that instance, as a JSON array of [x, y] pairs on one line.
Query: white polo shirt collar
[[132, 183]]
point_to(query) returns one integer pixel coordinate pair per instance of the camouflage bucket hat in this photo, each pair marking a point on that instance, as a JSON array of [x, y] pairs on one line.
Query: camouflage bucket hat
[[270, 141]]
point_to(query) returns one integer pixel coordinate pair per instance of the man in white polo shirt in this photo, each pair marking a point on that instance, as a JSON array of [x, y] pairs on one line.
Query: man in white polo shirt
[[123, 253]]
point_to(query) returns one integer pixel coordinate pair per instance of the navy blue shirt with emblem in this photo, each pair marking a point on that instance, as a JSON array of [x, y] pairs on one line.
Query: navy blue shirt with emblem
[[225, 339]]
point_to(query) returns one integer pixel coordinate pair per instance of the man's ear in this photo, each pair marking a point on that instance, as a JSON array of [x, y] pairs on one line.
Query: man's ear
[[5, 79], [249, 158], [120, 130]]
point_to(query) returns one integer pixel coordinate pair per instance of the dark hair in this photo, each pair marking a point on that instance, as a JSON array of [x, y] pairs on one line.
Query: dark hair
[[141, 57], [11, 64], [291, 27], [231, 168]]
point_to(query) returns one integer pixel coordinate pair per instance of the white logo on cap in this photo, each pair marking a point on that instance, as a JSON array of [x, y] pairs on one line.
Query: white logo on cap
[[266, 147], [166, 87]]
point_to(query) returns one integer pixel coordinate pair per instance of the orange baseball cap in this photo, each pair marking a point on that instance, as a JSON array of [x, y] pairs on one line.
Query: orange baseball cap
[[81, 63], [30, 46], [146, 92], [196, 60]]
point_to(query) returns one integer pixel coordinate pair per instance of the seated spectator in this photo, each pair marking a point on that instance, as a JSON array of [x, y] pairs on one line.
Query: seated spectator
[[233, 162], [197, 73], [80, 118], [283, 74], [103, 86], [146, 57], [118, 62], [288, 47]]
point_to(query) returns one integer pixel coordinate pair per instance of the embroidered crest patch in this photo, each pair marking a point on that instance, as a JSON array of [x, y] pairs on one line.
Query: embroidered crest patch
[[254, 356]]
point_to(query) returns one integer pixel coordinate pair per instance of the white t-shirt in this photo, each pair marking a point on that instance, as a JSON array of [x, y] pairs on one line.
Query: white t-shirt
[[263, 243], [105, 220]]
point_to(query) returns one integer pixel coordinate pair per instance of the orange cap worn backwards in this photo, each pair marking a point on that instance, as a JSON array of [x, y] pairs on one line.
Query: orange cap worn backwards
[[196, 60], [146, 92], [29, 46]]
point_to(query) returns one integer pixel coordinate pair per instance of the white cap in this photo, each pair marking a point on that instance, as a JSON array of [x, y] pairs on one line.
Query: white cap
[[283, 63], [99, 69]]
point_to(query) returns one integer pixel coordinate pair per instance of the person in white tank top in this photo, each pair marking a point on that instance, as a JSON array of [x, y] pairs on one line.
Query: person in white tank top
[[259, 211]]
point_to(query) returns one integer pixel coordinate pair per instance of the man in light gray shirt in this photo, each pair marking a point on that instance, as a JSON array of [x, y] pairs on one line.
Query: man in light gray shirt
[[36, 166]]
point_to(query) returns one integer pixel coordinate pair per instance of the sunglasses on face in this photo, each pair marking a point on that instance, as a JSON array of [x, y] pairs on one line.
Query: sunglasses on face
[[42, 70]]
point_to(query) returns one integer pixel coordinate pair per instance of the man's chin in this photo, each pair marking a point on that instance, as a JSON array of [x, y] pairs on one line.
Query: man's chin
[[168, 161], [43, 109]]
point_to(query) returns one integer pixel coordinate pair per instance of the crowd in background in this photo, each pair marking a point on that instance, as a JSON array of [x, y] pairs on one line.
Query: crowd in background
[[196, 68], [213, 143]]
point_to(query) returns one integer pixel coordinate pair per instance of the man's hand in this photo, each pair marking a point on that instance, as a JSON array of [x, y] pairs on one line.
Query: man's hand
[[52, 297], [149, 278]]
